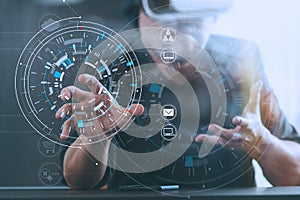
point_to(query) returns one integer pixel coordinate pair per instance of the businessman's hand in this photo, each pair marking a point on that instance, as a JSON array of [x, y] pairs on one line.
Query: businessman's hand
[[92, 105], [249, 133]]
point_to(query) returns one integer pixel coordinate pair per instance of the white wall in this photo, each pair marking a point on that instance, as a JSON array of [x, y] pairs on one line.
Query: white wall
[[274, 26]]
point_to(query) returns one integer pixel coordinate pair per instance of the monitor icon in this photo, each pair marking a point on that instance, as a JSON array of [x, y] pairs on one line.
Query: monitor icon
[[168, 132], [168, 55]]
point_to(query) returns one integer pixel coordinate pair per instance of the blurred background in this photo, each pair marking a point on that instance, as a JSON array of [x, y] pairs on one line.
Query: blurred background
[[273, 26], [27, 159]]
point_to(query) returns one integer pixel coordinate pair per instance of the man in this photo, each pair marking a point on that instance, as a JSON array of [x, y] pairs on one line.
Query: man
[[258, 131]]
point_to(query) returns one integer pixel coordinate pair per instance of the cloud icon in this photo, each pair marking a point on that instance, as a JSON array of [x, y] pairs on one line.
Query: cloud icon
[[50, 25]]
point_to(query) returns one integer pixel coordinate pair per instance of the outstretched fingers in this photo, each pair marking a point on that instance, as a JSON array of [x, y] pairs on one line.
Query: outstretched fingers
[[66, 128], [74, 93], [220, 131], [136, 109], [93, 84], [211, 139]]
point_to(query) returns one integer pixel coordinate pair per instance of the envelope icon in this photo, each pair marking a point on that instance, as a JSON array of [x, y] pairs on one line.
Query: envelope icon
[[168, 112]]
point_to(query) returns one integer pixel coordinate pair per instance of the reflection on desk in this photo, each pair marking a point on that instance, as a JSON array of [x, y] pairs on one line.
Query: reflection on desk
[[224, 194]]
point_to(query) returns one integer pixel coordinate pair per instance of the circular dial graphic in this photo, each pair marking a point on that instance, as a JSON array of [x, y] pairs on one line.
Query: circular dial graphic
[[219, 99], [57, 55], [221, 166], [176, 109]]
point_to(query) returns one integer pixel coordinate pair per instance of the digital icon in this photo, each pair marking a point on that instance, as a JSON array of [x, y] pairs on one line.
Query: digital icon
[[50, 174], [46, 26], [168, 55], [168, 132], [168, 112], [45, 173], [50, 23], [48, 148], [168, 35]]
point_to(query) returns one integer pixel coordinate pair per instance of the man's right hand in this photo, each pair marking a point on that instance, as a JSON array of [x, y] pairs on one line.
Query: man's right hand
[[91, 109]]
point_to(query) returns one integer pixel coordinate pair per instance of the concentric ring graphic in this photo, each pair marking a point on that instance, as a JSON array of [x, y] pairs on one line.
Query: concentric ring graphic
[[55, 57]]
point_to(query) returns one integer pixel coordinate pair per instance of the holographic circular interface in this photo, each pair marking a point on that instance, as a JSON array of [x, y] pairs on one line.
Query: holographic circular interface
[[131, 66], [55, 57]]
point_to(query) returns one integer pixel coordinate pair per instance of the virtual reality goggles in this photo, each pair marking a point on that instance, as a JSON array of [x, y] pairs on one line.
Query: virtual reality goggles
[[172, 9]]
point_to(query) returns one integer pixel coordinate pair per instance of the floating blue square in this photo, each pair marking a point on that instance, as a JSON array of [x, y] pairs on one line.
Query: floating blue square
[[129, 63], [188, 161], [80, 124], [57, 74], [154, 88]]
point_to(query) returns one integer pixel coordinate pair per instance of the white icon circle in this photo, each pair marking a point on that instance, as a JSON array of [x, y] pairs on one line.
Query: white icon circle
[[168, 55], [168, 132], [168, 112], [168, 35]]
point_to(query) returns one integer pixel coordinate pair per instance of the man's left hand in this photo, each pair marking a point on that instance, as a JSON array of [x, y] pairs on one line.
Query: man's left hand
[[249, 134]]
